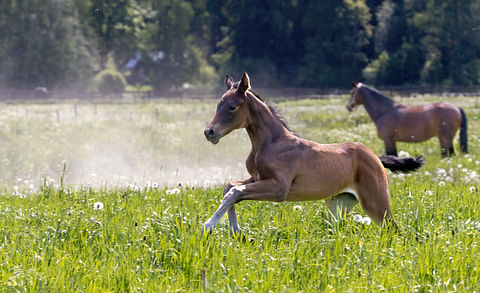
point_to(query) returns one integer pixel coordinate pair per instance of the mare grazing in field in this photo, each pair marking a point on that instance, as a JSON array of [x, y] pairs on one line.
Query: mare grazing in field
[[285, 167], [397, 122]]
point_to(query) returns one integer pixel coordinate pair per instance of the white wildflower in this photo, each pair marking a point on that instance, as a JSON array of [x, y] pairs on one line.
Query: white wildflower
[[98, 206], [403, 154], [441, 183], [358, 218], [366, 221], [472, 189], [172, 191], [297, 208], [441, 172]]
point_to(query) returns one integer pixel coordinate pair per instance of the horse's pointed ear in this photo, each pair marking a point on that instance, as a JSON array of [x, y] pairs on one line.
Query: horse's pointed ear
[[244, 83], [354, 84], [228, 81]]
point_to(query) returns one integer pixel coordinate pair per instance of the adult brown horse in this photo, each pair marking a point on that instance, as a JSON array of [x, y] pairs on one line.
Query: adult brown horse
[[285, 167], [397, 122]]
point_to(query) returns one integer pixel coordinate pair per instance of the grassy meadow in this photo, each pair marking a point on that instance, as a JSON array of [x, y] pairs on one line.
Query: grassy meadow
[[110, 197]]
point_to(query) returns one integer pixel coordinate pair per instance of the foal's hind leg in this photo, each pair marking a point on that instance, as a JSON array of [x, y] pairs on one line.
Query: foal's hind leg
[[340, 205], [375, 200]]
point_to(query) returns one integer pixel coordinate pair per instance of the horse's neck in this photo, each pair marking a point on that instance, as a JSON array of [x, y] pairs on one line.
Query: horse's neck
[[377, 107], [263, 126]]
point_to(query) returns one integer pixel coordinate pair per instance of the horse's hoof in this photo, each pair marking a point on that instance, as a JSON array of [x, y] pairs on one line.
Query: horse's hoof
[[206, 230], [244, 239], [236, 233]]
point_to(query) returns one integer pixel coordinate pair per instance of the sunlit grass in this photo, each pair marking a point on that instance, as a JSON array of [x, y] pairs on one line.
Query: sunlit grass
[[142, 236]]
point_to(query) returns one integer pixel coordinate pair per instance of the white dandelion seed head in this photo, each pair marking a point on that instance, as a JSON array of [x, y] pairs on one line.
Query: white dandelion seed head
[[403, 154], [358, 218], [297, 208], [172, 191], [472, 189], [441, 172], [366, 221], [441, 183], [98, 206]]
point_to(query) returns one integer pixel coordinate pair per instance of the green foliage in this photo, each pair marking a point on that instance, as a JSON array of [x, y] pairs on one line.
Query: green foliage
[[400, 67], [112, 24], [171, 57], [185, 44], [42, 44], [108, 82], [327, 62], [376, 71]]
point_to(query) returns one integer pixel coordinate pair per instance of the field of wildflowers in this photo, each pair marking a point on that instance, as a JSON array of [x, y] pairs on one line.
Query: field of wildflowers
[[111, 197]]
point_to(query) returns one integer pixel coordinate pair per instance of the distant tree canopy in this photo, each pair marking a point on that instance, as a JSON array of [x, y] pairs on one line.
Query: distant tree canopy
[[293, 43]]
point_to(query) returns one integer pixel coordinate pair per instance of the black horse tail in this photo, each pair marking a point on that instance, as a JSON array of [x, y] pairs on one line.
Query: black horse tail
[[403, 165], [463, 132]]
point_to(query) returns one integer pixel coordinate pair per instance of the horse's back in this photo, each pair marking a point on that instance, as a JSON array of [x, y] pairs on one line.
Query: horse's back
[[419, 123]]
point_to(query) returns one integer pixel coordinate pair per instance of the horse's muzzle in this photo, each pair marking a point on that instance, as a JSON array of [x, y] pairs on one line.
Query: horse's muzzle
[[349, 108], [211, 135]]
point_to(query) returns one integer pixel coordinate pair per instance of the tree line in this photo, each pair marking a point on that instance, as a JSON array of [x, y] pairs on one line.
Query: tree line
[[281, 43]]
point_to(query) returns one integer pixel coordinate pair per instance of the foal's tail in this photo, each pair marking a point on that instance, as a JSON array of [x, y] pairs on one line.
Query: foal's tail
[[403, 165], [463, 132]]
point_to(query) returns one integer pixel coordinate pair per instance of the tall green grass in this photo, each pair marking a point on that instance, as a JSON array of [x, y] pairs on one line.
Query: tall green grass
[[75, 237]]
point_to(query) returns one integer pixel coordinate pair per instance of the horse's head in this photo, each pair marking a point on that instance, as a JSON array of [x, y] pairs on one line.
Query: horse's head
[[356, 98], [232, 110]]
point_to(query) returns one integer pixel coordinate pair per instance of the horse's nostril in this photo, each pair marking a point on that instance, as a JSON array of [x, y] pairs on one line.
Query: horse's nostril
[[208, 132]]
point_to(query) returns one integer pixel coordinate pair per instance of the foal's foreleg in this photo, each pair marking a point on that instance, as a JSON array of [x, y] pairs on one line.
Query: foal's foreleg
[[232, 214], [267, 190]]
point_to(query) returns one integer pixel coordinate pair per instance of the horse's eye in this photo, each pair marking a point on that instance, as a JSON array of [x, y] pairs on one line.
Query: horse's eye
[[232, 107]]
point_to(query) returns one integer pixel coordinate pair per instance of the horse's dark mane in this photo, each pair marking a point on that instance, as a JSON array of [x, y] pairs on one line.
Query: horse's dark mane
[[375, 94], [275, 111]]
